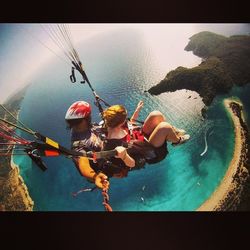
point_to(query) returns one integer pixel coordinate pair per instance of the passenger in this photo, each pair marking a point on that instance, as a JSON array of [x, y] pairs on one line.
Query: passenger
[[153, 135]]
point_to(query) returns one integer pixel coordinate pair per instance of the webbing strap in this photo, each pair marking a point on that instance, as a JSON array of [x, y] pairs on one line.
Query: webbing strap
[[72, 76]]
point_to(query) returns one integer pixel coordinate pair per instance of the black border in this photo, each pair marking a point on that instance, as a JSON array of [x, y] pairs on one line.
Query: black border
[[75, 230], [126, 11], [130, 230]]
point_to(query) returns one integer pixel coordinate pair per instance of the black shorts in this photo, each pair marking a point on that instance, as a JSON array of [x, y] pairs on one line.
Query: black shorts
[[150, 154], [160, 154]]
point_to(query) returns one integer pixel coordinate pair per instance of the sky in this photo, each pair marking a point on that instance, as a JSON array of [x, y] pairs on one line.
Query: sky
[[25, 48]]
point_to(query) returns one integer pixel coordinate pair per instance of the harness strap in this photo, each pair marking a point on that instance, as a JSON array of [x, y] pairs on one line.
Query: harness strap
[[134, 134], [72, 76]]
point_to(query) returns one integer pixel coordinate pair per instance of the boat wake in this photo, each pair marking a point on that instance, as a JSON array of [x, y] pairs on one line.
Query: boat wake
[[206, 146]]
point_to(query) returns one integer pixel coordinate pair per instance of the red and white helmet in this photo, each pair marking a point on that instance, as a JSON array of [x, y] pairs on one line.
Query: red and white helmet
[[78, 110]]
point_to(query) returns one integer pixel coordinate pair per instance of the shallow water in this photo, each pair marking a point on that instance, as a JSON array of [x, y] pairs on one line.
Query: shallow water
[[120, 69]]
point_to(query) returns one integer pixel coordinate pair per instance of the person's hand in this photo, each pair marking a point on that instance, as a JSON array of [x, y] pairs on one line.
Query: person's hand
[[121, 152], [101, 181], [140, 105]]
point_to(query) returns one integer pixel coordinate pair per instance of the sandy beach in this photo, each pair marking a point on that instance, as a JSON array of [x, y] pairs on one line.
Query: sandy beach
[[229, 190]]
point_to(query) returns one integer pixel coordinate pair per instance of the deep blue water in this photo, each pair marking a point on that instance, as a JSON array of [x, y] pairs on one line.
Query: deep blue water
[[121, 67]]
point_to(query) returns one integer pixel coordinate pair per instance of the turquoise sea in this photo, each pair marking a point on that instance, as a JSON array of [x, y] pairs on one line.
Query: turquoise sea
[[120, 67]]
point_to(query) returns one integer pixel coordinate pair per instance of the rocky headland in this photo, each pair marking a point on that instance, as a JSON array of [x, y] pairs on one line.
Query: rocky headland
[[225, 62]]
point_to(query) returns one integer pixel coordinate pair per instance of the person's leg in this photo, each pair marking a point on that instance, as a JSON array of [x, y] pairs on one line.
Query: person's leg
[[163, 131], [152, 121], [155, 118]]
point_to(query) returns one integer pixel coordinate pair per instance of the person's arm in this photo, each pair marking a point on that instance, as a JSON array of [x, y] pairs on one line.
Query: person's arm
[[125, 157], [137, 111], [100, 179]]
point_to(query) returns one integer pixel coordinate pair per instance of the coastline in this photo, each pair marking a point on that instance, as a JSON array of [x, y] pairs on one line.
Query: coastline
[[229, 194], [14, 194]]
